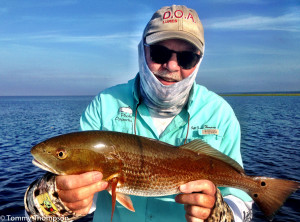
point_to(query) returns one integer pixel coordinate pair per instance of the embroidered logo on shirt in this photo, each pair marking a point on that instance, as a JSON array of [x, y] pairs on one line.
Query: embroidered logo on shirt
[[210, 132], [124, 115], [125, 110], [206, 130]]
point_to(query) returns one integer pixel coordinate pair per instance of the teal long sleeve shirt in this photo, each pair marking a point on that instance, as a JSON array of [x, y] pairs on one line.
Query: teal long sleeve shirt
[[207, 116]]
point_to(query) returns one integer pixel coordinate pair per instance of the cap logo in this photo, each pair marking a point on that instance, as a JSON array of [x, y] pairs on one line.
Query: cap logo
[[168, 17]]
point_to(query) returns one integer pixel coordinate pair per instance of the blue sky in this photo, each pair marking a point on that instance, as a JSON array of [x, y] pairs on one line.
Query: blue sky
[[73, 47]]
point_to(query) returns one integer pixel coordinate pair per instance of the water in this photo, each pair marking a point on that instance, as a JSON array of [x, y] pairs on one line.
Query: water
[[270, 128], [270, 142]]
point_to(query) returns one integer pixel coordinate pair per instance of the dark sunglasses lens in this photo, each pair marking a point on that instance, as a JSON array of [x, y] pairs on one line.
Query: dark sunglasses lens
[[160, 54], [187, 60]]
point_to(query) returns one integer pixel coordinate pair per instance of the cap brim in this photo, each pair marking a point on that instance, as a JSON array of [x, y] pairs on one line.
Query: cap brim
[[165, 35]]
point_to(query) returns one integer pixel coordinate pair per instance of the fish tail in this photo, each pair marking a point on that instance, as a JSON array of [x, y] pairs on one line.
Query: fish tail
[[272, 193]]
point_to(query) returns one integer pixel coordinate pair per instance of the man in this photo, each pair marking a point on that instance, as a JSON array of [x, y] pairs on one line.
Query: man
[[163, 102]]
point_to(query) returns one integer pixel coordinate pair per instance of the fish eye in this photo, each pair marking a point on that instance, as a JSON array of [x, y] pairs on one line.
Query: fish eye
[[61, 154]]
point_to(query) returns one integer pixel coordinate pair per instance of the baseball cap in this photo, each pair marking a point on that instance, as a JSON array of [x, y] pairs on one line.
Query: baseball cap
[[175, 22]]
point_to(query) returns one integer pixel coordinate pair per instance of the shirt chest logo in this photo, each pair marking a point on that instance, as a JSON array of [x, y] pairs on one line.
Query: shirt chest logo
[[124, 115], [206, 130]]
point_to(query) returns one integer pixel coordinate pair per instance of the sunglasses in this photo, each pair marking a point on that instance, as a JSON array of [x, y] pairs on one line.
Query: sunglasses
[[161, 55]]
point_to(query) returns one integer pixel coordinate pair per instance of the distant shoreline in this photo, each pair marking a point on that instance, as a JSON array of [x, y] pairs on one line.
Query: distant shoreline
[[259, 94], [220, 94]]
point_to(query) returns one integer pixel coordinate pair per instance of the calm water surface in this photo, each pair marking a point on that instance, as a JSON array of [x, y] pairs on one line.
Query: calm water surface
[[270, 142]]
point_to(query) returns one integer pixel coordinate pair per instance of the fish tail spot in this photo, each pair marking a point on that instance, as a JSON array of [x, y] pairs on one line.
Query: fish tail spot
[[271, 193]]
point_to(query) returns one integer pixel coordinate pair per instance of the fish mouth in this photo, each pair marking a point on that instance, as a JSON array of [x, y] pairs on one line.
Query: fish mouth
[[44, 166]]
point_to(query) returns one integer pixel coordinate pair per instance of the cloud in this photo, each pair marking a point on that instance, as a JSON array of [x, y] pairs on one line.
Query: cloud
[[289, 22], [88, 38], [60, 38]]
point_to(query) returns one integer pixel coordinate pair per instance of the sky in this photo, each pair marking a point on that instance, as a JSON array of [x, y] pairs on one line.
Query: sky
[[80, 47]]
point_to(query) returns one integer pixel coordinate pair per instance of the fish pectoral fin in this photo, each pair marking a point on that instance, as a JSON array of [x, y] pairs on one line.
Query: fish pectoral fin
[[124, 200], [201, 147]]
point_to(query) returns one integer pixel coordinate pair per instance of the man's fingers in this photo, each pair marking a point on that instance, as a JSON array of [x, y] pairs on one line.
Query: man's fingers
[[197, 199], [204, 186], [79, 205], [83, 211], [198, 212], [81, 193], [69, 182], [190, 218]]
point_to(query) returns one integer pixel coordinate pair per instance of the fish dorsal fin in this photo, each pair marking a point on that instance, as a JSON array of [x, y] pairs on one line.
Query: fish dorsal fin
[[200, 147]]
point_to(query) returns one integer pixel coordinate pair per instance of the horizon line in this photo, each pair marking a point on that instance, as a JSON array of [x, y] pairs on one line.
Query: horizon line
[[296, 93]]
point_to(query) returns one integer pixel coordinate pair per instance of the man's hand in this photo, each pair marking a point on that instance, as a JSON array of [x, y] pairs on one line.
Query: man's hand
[[77, 191], [198, 198]]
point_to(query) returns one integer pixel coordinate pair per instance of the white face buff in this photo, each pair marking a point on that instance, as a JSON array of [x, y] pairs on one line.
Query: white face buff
[[165, 100]]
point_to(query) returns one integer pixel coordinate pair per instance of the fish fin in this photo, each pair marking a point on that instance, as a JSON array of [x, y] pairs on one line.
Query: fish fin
[[125, 201], [114, 183], [201, 147], [272, 194]]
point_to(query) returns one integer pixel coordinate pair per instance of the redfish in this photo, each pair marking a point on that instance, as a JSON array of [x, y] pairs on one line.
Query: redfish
[[136, 165]]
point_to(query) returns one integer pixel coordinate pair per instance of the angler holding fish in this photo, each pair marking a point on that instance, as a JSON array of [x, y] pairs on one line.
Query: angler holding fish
[[169, 143]]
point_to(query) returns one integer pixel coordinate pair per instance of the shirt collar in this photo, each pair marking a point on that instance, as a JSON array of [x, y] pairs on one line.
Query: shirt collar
[[136, 89]]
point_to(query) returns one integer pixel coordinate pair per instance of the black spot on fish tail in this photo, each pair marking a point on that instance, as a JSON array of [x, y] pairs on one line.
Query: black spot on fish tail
[[55, 194], [271, 193]]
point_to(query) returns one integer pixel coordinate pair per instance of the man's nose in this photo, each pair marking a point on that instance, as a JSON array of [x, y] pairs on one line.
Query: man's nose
[[172, 64]]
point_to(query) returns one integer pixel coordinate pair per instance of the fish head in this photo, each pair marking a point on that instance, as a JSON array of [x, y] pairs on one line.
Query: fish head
[[65, 156]]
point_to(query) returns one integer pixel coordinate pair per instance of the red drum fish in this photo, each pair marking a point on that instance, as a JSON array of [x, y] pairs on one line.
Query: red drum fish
[[136, 165]]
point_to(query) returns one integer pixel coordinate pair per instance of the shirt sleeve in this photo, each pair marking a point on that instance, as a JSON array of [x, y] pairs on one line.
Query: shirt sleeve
[[242, 211], [91, 117], [231, 142]]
